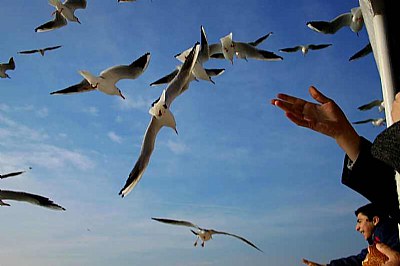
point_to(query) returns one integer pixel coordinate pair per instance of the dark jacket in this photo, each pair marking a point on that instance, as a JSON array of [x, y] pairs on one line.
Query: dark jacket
[[385, 232]]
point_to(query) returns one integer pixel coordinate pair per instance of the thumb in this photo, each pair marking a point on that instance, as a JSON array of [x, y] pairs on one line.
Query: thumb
[[318, 96]]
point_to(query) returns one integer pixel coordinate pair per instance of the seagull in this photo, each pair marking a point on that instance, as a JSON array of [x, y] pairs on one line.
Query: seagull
[[213, 72], [216, 48], [160, 116], [204, 55], [305, 48], [67, 9], [353, 19], [374, 121], [58, 22], [41, 51], [379, 103], [202, 233], [243, 50], [28, 197], [363, 52], [107, 79], [6, 66]]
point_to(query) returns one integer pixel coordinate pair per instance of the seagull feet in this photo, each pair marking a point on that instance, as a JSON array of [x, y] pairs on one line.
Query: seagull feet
[[195, 244], [202, 244]]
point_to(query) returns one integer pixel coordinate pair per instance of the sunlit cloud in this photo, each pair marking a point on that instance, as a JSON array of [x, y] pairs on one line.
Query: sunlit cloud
[[114, 137], [177, 147]]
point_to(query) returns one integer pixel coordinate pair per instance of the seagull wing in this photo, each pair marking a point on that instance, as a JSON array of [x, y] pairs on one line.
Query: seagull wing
[[83, 86], [29, 52], [176, 222], [30, 198], [145, 153], [174, 88], [51, 48], [132, 71], [260, 40], [10, 65], [363, 121], [238, 237], [245, 50], [166, 79], [318, 46], [370, 105], [75, 4], [290, 49], [58, 22], [363, 52], [331, 27], [11, 174]]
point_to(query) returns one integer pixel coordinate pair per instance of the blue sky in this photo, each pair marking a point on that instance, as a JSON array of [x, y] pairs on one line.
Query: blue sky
[[237, 164]]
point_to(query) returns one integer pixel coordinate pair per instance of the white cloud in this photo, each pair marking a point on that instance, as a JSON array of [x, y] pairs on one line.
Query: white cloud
[[43, 112], [132, 103], [177, 147], [114, 137], [92, 110]]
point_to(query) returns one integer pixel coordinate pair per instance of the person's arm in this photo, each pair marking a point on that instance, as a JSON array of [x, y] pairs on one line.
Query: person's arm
[[324, 117]]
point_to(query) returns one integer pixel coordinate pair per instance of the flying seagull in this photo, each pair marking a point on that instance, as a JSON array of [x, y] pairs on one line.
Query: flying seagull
[[67, 9], [363, 52], [353, 19], [160, 116], [41, 50], [6, 66], [202, 233], [107, 79], [204, 55], [375, 103], [58, 22], [304, 48], [374, 121], [243, 50], [28, 197]]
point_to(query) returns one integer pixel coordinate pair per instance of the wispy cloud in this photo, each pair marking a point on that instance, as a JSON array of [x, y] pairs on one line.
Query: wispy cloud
[[177, 147], [92, 110], [114, 137], [134, 103]]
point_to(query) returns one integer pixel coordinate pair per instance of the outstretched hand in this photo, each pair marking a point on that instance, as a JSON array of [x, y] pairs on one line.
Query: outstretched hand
[[311, 263], [324, 117]]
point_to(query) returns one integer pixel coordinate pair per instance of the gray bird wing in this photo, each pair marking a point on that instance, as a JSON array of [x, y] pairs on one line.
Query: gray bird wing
[[238, 237], [370, 105], [51, 48], [8, 66], [290, 49], [174, 88], [132, 71], [331, 27], [75, 4], [318, 46], [363, 121], [149, 140], [58, 22], [83, 86], [166, 79], [260, 40], [363, 52], [11, 174], [176, 222], [29, 51], [30, 198], [248, 51]]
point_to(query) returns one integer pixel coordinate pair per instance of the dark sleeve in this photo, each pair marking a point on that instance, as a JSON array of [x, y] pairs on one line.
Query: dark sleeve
[[355, 260], [373, 179], [386, 146]]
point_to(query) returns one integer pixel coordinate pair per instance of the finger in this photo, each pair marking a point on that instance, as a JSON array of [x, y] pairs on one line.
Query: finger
[[298, 120], [318, 96], [289, 98], [285, 106]]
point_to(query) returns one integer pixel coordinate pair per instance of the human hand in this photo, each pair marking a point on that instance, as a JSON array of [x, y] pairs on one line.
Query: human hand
[[325, 117], [394, 256], [311, 263], [396, 108]]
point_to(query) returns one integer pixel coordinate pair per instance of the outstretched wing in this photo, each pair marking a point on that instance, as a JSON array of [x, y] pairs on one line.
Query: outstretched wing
[[30, 198], [83, 86], [11, 174], [238, 237], [176, 222]]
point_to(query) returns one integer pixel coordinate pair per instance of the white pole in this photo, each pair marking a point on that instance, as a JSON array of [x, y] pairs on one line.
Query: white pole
[[375, 20]]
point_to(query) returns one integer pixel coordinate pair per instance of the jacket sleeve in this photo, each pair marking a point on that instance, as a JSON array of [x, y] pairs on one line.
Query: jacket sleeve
[[373, 179], [355, 260], [386, 146]]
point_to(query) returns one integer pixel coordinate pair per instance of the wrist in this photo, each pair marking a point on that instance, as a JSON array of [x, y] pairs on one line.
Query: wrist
[[350, 143]]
